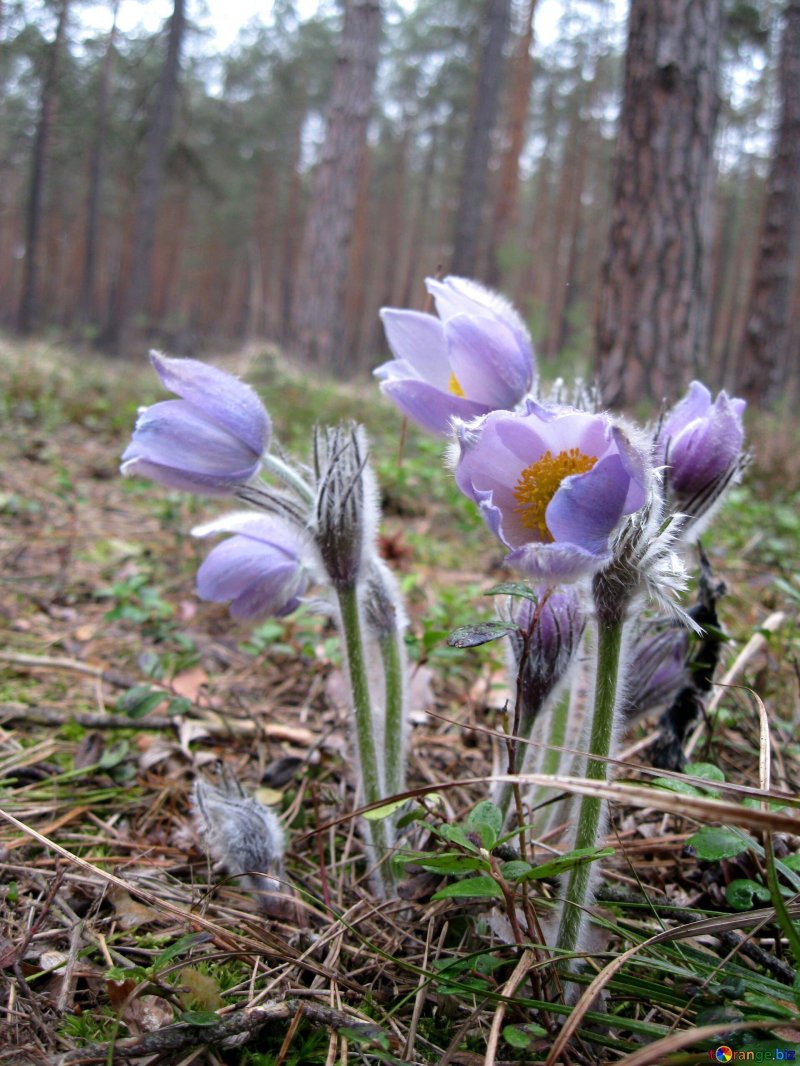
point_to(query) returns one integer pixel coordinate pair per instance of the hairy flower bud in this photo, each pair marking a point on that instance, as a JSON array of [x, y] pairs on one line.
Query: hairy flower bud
[[345, 511], [242, 835]]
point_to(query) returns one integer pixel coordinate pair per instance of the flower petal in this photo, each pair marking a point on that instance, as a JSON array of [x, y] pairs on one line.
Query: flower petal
[[218, 395], [428, 406], [555, 563], [587, 507], [174, 433], [456, 295], [486, 360], [418, 339]]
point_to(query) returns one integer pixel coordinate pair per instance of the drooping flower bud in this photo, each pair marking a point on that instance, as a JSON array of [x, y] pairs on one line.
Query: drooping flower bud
[[474, 358], [209, 441], [345, 509], [657, 669], [242, 835], [262, 570]]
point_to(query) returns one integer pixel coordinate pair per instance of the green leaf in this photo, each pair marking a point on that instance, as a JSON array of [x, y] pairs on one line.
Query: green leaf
[[377, 814], [181, 945], [742, 894], [480, 633], [566, 862], [486, 820], [140, 700], [707, 770], [456, 835], [713, 843], [200, 1017], [520, 1036], [482, 887], [452, 862], [513, 588], [676, 784], [514, 869]]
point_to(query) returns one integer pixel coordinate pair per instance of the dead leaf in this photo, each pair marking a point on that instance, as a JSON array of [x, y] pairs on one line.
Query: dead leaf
[[145, 1014], [130, 914], [199, 991], [189, 683]]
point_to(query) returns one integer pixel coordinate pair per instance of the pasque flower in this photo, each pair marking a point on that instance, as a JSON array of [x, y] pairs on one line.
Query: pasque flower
[[554, 626], [553, 484], [261, 570], [209, 441], [700, 443], [474, 358]]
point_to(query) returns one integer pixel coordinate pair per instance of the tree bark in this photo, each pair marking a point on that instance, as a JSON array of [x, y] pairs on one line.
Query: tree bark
[[96, 167], [476, 154], [652, 313], [767, 352], [318, 319], [507, 199], [28, 305], [140, 280]]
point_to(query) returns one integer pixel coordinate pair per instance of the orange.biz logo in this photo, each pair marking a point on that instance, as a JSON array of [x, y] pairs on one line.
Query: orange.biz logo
[[725, 1054]]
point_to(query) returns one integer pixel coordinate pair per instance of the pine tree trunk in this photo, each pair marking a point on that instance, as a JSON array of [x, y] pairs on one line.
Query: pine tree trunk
[[96, 161], [767, 354], [507, 199], [318, 319], [34, 215], [652, 313], [413, 288], [140, 280], [469, 213]]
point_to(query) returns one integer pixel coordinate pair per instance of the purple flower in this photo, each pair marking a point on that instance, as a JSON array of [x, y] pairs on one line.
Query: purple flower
[[260, 569], [657, 670], [552, 484], [700, 443], [474, 358], [209, 441]]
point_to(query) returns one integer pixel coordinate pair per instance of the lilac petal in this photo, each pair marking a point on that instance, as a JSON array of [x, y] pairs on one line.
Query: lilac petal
[[234, 564], [587, 507], [182, 480], [175, 434], [486, 360], [556, 563], [266, 528], [694, 404], [219, 395], [418, 339], [457, 295], [277, 595], [429, 407]]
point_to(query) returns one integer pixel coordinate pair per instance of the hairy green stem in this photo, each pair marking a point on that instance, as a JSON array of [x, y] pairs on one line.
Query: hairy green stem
[[551, 760], [372, 791], [288, 476], [394, 768], [590, 812]]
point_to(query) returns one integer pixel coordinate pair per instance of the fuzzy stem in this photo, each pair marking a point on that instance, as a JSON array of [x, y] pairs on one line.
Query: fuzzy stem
[[553, 754], [288, 476], [372, 791], [578, 895], [394, 728]]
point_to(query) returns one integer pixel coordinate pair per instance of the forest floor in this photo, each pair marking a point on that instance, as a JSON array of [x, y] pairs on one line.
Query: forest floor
[[118, 688]]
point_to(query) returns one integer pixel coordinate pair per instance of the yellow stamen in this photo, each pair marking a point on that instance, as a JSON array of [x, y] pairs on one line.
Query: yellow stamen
[[539, 482], [455, 386]]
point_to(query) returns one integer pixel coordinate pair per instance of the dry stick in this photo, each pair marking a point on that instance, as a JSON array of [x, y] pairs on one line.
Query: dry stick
[[419, 999], [509, 988], [184, 1035]]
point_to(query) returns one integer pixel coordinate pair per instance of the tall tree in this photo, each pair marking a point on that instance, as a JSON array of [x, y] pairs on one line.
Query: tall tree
[[652, 314], [27, 314], [318, 319], [479, 135], [96, 167], [766, 353], [151, 181], [507, 197]]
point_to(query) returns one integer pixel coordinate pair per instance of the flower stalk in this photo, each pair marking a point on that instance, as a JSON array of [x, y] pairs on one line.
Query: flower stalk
[[592, 809]]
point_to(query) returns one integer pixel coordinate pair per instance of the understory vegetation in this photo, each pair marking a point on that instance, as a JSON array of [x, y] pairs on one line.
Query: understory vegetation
[[120, 942]]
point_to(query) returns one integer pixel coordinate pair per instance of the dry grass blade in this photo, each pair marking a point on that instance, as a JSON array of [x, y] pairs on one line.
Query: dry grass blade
[[509, 989], [655, 1054]]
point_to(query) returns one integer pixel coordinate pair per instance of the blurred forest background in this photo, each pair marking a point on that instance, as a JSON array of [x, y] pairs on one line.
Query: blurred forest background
[[630, 178]]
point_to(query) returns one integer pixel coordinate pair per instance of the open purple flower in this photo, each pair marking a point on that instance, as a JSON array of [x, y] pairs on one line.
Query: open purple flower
[[474, 358], [209, 441], [552, 484], [260, 570], [700, 443]]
